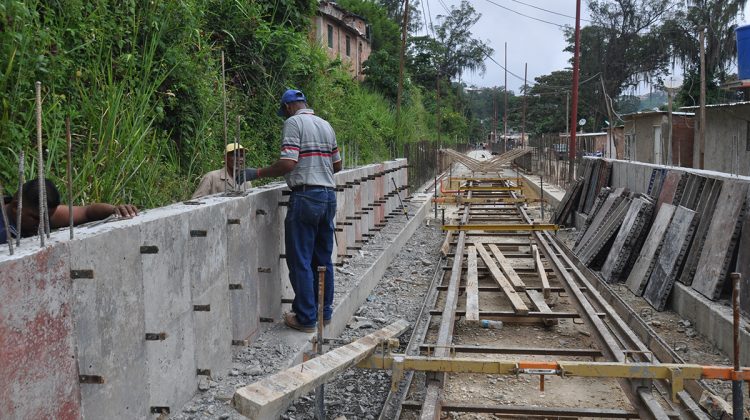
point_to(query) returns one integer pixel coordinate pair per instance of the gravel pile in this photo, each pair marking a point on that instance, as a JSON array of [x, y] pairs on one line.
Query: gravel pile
[[357, 393]]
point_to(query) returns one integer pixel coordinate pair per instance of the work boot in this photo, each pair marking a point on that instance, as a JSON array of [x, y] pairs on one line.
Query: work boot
[[290, 319]]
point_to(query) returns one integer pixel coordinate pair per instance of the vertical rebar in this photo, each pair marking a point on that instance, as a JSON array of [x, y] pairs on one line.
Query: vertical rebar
[[224, 104], [737, 397], [320, 409], [236, 153], [8, 238], [21, 162], [40, 166], [70, 175], [541, 187]]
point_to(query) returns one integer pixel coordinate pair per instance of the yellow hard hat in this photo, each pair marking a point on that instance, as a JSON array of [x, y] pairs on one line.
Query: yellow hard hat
[[232, 146]]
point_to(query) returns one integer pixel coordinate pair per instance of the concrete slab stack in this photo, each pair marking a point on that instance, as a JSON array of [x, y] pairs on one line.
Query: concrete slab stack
[[630, 235], [705, 208], [644, 264]]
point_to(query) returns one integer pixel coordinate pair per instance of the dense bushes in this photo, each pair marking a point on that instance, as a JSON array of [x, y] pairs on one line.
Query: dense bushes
[[141, 82]]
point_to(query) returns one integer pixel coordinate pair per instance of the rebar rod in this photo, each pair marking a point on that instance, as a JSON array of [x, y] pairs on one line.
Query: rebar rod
[[224, 104], [5, 221], [70, 175], [320, 408], [737, 397], [21, 161], [40, 166]]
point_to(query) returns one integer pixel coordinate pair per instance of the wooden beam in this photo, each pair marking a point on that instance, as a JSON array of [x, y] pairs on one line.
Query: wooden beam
[[270, 397], [541, 271], [538, 301], [507, 269], [518, 305], [472, 287]]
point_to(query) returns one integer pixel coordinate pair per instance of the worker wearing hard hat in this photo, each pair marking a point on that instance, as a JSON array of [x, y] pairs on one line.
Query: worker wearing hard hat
[[222, 180]]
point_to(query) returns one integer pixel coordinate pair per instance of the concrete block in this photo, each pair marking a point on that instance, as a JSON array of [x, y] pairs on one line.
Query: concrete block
[[213, 336], [241, 256], [108, 315], [207, 248], [268, 224], [168, 309], [37, 345]]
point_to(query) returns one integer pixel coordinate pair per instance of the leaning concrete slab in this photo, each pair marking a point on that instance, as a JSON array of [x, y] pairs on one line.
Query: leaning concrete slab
[[269, 397], [743, 261], [37, 339], [721, 240], [641, 271], [669, 263]]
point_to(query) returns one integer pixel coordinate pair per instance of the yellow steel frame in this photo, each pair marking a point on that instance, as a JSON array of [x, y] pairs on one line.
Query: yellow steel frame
[[480, 180], [505, 227], [489, 188], [461, 200], [675, 373]]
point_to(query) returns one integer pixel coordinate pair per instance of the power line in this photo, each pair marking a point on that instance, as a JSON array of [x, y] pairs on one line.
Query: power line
[[525, 15], [547, 10], [424, 16]]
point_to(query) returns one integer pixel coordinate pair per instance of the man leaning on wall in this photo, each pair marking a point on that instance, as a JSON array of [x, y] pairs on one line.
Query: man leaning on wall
[[309, 158], [222, 180]]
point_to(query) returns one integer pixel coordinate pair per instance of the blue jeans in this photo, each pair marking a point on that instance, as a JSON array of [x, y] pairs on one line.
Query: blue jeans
[[309, 244]]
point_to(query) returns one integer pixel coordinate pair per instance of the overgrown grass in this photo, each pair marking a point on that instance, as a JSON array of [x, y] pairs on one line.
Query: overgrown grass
[[141, 82]]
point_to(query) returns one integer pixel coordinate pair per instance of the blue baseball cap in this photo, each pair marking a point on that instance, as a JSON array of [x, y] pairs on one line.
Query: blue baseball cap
[[290, 96]]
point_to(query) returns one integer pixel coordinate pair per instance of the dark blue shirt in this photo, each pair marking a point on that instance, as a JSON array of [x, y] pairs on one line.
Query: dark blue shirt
[[4, 231]]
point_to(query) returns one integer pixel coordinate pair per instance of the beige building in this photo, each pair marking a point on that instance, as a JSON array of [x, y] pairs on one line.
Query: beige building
[[727, 147], [647, 138], [344, 35]]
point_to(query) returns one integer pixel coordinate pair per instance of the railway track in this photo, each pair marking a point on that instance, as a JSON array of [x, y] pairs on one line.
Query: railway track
[[554, 312]]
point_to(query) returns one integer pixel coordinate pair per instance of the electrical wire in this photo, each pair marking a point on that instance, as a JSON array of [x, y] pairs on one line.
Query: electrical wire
[[548, 11], [528, 16]]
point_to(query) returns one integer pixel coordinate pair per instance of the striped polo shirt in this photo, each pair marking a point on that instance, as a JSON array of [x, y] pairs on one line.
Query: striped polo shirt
[[310, 141]]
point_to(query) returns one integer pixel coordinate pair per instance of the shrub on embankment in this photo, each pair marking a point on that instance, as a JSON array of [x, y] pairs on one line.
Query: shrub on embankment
[[141, 82]]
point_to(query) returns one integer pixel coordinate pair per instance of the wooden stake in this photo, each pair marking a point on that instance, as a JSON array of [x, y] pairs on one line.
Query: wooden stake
[[21, 163], [224, 103]]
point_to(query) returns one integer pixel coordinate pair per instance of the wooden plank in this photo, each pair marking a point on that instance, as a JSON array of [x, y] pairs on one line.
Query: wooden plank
[[541, 272], [472, 287], [537, 300], [743, 262], [518, 305], [269, 397], [641, 271], [507, 268], [721, 240], [669, 263]]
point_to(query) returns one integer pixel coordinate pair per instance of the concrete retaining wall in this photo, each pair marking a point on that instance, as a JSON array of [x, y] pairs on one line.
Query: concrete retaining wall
[[141, 308]]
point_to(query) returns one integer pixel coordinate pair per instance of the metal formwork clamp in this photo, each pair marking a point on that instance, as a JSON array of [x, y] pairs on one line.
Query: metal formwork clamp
[[397, 372]]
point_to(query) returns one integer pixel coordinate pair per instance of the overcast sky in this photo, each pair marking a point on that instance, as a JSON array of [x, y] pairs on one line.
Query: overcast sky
[[529, 41]]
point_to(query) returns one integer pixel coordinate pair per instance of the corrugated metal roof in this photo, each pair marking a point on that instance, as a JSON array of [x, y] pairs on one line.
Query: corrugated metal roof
[[719, 105]]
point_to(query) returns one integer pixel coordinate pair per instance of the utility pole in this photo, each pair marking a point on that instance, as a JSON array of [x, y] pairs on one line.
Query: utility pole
[[505, 110], [574, 111], [494, 117], [567, 112], [523, 124], [670, 159], [702, 119], [439, 116], [404, 33]]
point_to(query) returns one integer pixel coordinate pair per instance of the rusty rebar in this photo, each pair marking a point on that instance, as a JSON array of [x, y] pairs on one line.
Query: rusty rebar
[[70, 174], [224, 103], [21, 162], [737, 397], [8, 238], [320, 409], [43, 217]]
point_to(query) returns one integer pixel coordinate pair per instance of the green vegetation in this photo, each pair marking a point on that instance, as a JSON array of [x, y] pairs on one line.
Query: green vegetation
[[141, 82]]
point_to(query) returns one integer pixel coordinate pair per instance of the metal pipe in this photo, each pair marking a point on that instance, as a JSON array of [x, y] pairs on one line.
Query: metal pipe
[[320, 409], [21, 162], [70, 175], [541, 187], [737, 397], [40, 165], [5, 221]]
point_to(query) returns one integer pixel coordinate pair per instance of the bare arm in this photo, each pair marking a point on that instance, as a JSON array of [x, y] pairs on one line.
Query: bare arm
[[90, 213], [337, 166], [280, 168]]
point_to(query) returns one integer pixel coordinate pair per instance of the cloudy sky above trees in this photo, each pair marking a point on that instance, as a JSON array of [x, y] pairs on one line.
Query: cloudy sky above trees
[[539, 44]]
